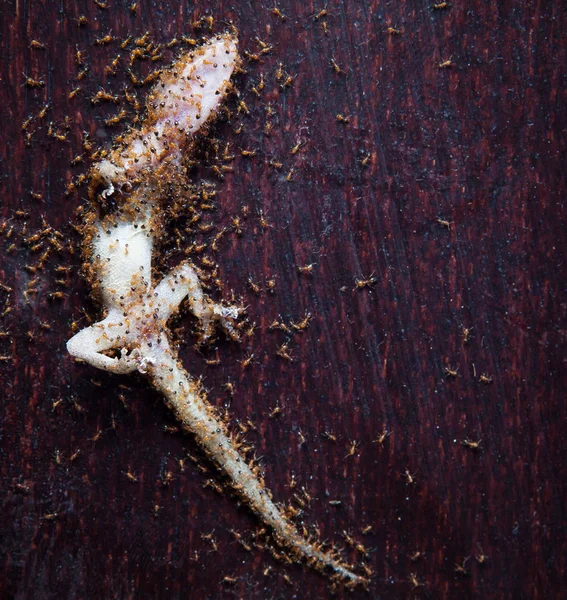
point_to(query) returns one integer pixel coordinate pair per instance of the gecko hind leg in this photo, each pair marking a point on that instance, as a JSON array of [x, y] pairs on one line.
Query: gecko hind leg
[[183, 282], [90, 342]]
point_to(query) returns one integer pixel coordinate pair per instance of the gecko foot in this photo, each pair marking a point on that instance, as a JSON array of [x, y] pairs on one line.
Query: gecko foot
[[225, 316]]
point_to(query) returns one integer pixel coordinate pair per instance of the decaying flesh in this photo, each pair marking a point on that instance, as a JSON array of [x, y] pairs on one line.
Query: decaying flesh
[[134, 336]]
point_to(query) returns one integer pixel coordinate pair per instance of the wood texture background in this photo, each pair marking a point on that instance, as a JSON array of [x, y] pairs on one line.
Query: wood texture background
[[480, 144]]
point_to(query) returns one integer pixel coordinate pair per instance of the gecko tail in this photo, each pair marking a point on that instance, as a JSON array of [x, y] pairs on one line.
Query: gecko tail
[[326, 562]]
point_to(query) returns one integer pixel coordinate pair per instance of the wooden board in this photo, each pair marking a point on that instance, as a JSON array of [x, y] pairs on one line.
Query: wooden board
[[446, 185]]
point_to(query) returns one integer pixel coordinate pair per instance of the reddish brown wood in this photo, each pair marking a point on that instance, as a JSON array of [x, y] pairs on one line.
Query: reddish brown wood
[[480, 144]]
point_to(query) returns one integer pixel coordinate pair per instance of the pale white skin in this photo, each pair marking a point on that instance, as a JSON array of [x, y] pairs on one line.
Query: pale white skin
[[137, 310], [180, 105]]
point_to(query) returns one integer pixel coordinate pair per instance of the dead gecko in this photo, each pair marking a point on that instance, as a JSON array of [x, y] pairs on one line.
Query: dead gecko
[[134, 336]]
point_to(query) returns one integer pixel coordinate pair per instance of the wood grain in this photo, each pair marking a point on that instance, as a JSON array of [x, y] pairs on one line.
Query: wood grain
[[480, 144]]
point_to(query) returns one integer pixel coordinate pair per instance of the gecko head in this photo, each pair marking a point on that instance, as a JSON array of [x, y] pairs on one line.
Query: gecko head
[[186, 97]]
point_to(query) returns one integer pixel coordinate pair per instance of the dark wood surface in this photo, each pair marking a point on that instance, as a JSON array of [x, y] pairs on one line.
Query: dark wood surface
[[479, 144]]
